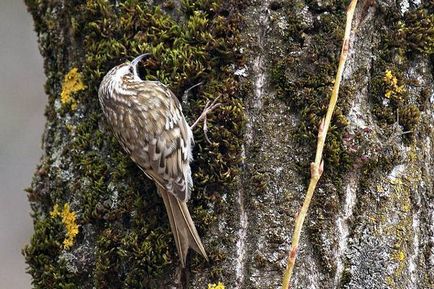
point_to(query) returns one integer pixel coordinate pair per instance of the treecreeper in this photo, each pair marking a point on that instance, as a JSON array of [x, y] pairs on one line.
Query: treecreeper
[[147, 119]]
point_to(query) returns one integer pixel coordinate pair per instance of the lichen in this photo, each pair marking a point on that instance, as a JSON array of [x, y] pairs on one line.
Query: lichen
[[393, 90], [68, 218], [401, 229], [387, 205], [219, 285], [72, 83]]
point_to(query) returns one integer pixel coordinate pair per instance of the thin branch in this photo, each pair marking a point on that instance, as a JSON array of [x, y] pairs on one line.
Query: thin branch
[[317, 167]]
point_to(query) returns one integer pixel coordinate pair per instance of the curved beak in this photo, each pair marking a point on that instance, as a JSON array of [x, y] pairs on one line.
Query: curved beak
[[138, 58], [136, 61]]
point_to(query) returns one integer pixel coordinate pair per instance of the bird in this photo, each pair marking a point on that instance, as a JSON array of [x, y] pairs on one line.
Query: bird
[[147, 120]]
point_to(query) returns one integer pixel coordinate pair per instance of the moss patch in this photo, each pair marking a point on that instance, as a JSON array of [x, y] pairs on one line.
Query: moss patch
[[403, 40], [45, 255], [416, 31], [303, 79], [85, 166], [305, 82]]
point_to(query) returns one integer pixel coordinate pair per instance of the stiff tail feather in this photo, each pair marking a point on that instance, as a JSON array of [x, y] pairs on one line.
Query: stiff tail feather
[[182, 226]]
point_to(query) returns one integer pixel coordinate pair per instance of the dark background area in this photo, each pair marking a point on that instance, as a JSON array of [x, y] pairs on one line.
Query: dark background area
[[22, 102]]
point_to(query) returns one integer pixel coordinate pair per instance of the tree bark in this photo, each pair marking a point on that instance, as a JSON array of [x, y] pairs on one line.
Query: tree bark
[[98, 220]]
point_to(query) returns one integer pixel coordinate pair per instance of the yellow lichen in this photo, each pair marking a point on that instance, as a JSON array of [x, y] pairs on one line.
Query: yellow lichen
[[72, 83], [380, 189], [401, 230], [399, 256], [397, 184], [389, 281], [393, 89], [69, 220], [219, 285]]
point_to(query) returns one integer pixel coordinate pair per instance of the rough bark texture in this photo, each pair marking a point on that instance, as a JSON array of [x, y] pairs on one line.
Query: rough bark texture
[[272, 63]]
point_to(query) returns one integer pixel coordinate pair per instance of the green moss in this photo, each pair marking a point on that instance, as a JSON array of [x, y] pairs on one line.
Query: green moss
[[43, 252], [304, 82], [416, 31], [410, 116], [121, 205], [307, 89], [129, 260], [405, 38]]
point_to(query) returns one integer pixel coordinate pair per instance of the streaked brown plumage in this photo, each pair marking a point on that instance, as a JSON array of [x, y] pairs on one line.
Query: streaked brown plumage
[[147, 119]]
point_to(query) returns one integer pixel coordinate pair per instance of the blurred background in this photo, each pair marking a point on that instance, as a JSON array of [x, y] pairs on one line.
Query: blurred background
[[22, 102]]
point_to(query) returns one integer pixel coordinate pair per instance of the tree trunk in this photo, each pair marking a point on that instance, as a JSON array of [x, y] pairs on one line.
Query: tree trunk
[[98, 220]]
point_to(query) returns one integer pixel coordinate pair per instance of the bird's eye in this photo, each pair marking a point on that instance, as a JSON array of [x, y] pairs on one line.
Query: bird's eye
[[130, 69]]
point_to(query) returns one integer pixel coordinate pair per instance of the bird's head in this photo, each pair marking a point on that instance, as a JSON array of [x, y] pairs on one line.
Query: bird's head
[[119, 76], [129, 69]]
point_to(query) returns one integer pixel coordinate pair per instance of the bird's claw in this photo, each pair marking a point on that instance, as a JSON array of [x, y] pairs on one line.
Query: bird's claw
[[209, 106]]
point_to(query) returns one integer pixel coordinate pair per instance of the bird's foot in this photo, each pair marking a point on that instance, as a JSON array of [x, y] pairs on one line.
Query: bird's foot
[[209, 106]]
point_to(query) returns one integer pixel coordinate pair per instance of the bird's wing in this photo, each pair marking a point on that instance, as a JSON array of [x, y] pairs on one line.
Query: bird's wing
[[169, 139]]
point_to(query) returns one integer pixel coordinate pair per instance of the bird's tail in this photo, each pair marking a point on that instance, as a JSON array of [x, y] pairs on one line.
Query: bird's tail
[[182, 226]]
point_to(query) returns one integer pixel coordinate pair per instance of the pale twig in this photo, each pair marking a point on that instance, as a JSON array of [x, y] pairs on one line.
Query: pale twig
[[317, 167]]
